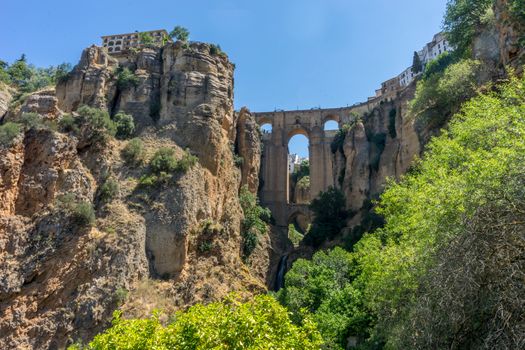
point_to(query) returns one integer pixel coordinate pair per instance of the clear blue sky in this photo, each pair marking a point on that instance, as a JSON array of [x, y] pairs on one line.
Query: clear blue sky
[[289, 53]]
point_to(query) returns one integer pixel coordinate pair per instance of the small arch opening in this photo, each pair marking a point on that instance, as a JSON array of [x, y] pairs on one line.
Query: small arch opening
[[266, 128], [331, 125], [298, 226]]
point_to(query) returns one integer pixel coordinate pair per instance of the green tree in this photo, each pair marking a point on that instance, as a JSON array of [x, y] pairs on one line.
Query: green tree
[[163, 161], [435, 205], [94, 125], [8, 132], [146, 39], [417, 65], [463, 19], [258, 324], [125, 125], [180, 33], [323, 286], [329, 216], [126, 78], [133, 152]]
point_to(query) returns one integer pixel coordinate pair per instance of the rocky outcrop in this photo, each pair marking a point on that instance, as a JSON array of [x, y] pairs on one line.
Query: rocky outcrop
[[510, 31], [63, 280], [5, 99], [381, 145], [248, 148]]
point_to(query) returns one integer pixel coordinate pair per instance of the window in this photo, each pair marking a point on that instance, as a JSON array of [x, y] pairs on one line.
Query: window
[[117, 48]]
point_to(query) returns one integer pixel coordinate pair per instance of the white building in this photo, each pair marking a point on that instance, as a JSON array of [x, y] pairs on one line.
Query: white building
[[430, 51], [118, 43], [294, 161]]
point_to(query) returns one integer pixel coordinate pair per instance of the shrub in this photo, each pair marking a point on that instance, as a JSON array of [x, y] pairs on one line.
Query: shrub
[[303, 183], [329, 216], [463, 19], [67, 123], [8, 132], [323, 286], [109, 190], [126, 79], [133, 152], [180, 33], [154, 180], [339, 139], [163, 161], [31, 120], [205, 246], [230, 324], [303, 171], [254, 222], [125, 125], [187, 161], [294, 236], [84, 214], [95, 125], [215, 50]]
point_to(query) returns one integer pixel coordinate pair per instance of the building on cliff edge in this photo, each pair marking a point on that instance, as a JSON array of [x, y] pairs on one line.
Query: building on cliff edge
[[118, 43]]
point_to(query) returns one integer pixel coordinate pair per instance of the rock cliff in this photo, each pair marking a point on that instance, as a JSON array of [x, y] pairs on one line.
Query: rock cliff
[[164, 246]]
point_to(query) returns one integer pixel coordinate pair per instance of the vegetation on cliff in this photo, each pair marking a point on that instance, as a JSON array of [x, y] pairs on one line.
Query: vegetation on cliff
[[452, 234], [258, 324]]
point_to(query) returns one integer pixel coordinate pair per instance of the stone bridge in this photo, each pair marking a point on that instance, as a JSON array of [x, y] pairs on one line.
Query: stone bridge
[[274, 192]]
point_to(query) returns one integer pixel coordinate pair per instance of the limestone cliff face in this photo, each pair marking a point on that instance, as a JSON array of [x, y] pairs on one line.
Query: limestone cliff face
[[510, 34], [168, 246], [382, 145]]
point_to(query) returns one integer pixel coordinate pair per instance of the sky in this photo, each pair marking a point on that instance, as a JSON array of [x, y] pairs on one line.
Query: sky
[[289, 54]]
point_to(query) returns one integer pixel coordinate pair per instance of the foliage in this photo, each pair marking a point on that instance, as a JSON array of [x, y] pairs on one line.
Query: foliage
[[67, 123], [329, 216], [95, 125], [440, 95], [180, 33], [304, 170], [146, 39], [187, 161], [304, 183], [83, 214], [258, 324], [463, 19], [205, 246], [163, 161], [417, 65], [109, 190], [125, 125], [323, 286], [339, 139], [31, 120], [255, 221], [215, 50], [126, 78], [294, 236], [439, 64], [27, 78], [133, 152], [437, 205], [8, 132]]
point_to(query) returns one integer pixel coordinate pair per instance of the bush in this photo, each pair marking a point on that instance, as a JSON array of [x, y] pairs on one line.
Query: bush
[[254, 223], [109, 190], [187, 161], [84, 214], [215, 50], [441, 94], [435, 274], [463, 19], [125, 125], [339, 139], [180, 33], [126, 79], [95, 125], [67, 123], [323, 286], [8, 132], [294, 236], [257, 324], [205, 246], [31, 120], [163, 161], [133, 152], [329, 216]]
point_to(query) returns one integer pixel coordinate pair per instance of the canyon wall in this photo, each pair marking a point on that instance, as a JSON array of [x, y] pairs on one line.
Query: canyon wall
[[165, 246]]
